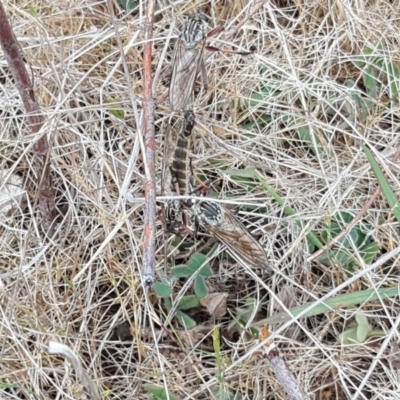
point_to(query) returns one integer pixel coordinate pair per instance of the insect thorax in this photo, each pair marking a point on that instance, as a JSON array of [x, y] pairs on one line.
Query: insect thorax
[[194, 31], [210, 213]]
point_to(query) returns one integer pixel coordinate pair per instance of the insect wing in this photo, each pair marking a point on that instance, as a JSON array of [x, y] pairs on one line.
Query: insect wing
[[184, 72], [239, 241]]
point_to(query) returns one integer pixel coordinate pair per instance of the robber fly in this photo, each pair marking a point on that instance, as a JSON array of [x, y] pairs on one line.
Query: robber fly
[[188, 60], [225, 227], [179, 168], [179, 172]]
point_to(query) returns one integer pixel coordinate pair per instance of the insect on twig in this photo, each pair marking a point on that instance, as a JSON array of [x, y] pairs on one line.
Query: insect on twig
[[188, 60], [226, 228]]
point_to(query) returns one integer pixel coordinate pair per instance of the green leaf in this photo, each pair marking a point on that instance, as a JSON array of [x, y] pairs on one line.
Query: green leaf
[[363, 328], [258, 123], [257, 97], [185, 321], [160, 393], [241, 173], [196, 261], [188, 302], [386, 189], [370, 81], [128, 5], [391, 73], [369, 251], [162, 289], [167, 304], [340, 301], [199, 262], [200, 287], [182, 271], [349, 336]]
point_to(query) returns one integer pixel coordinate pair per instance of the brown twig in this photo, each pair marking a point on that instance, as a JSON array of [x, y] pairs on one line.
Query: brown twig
[[149, 156], [41, 148], [357, 218], [280, 368]]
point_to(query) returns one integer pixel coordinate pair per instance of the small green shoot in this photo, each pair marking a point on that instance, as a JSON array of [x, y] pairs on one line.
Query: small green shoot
[[159, 393], [361, 332], [217, 349], [113, 110]]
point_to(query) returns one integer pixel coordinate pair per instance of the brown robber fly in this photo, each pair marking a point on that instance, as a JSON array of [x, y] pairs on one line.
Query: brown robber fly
[[180, 163], [226, 228], [179, 171], [188, 60]]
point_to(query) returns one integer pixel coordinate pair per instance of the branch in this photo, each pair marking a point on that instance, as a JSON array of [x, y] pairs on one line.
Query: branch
[[41, 150], [149, 156], [280, 368]]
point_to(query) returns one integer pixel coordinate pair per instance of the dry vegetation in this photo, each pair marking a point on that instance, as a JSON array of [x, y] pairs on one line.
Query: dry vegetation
[[83, 288]]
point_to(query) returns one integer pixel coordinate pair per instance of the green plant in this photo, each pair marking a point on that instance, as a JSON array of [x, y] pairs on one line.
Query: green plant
[[355, 244], [360, 332], [197, 269], [159, 393]]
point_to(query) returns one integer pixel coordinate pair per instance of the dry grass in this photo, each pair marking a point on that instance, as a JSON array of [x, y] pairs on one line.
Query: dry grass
[[83, 289]]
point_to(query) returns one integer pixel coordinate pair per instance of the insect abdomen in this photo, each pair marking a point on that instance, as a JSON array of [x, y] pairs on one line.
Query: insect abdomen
[[180, 164]]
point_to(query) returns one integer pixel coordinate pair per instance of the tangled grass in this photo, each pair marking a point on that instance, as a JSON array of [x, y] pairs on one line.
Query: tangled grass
[[321, 84]]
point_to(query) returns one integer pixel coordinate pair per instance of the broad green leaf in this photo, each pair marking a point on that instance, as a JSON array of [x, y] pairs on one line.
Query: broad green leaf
[[182, 271], [188, 302], [200, 287], [369, 251], [128, 5], [186, 321], [363, 327], [199, 261], [167, 304], [349, 336], [370, 81], [340, 301], [258, 123], [162, 289], [160, 393]]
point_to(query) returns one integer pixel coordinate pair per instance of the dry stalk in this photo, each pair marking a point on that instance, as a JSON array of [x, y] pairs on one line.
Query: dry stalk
[[149, 138], [41, 149]]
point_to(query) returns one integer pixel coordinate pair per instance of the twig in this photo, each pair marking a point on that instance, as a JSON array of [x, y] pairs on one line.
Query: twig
[[41, 149], [281, 370], [149, 156]]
